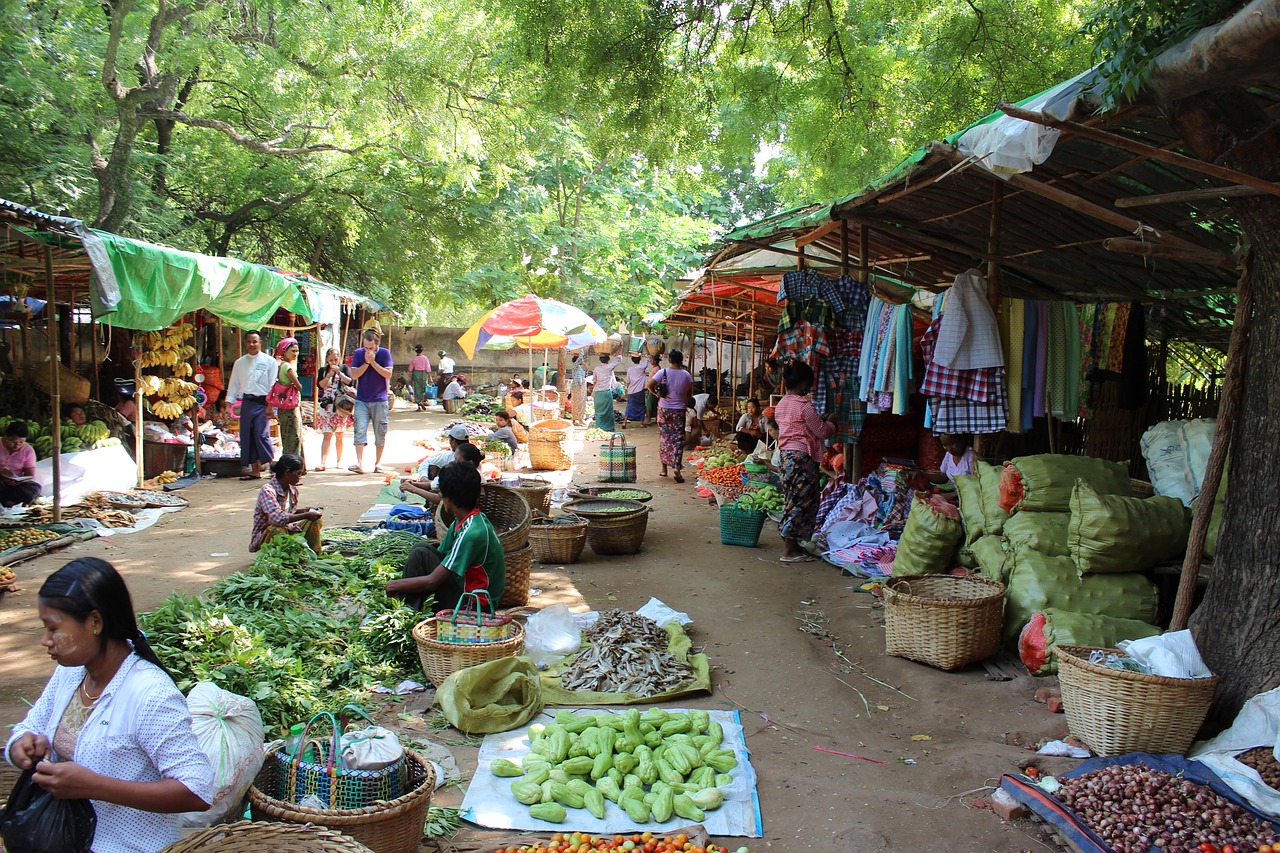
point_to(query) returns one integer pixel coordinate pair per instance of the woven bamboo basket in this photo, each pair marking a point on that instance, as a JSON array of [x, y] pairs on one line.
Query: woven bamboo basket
[[545, 455], [440, 660], [604, 509], [516, 591], [536, 492], [1115, 711], [507, 511], [558, 543], [617, 535], [551, 429], [450, 406], [1141, 488], [941, 620], [249, 836], [390, 827], [596, 491]]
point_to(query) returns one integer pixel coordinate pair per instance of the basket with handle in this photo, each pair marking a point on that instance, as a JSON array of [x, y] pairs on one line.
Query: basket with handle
[[440, 659], [942, 620], [507, 512], [617, 462], [251, 836], [740, 526], [558, 540], [516, 591], [468, 623], [536, 492], [392, 826], [321, 775], [1115, 711]]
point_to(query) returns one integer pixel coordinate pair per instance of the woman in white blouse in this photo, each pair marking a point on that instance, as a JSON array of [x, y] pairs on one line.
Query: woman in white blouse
[[110, 726]]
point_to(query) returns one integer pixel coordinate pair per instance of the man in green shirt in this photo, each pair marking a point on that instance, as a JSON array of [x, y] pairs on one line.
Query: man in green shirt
[[470, 556]]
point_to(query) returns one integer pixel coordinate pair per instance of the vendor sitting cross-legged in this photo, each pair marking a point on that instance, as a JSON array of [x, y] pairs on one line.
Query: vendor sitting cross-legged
[[470, 556]]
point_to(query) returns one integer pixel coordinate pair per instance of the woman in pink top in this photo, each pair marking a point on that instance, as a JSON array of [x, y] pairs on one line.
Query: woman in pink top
[[420, 374], [801, 433], [17, 467], [673, 386]]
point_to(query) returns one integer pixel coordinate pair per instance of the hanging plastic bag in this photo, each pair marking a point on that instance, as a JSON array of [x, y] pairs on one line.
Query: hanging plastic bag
[[550, 634], [229, 730], [34, 821], [497, 696], [371, 748]]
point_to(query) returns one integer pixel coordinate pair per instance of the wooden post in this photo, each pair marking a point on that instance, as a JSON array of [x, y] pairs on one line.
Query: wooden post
[[994, 285], [853, 454], [844, 247], [97, 360], [751, 358], [135, 351], [195, 410], [55, 398], [1228, 405]]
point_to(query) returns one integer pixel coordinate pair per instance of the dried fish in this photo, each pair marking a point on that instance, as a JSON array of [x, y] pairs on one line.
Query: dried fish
[[627, 654]]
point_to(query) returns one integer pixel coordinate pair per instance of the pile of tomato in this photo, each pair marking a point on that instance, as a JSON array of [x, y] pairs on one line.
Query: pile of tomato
[[645, 842], [1231, 848]]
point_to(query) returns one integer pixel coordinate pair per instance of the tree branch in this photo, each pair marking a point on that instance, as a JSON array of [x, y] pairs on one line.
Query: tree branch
[[261, 146], [110, 78]]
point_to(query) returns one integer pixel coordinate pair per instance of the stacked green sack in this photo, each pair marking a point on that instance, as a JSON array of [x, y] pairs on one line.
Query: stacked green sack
[[1215, 517], [1045, 532], [990, 558], [989, 478], [1048, 479], [1111, 534], [928, 540], [969, 493], [981, 548], [1051, 628]]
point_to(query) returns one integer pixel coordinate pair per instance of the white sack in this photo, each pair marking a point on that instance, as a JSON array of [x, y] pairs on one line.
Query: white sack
[[229, 730]]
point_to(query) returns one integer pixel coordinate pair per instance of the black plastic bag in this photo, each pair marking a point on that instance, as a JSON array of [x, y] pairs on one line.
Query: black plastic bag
[[34, 821]]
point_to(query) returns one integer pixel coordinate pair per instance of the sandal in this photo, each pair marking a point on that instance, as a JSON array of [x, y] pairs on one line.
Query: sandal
[[319, 468], [355, 469], [800, 558], [678, 478]]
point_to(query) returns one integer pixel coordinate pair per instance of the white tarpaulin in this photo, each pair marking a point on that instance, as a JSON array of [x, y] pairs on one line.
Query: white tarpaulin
[[489, 802], [108, 469]]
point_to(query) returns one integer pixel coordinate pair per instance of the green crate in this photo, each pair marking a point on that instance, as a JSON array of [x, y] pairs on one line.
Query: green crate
[[740, 526]]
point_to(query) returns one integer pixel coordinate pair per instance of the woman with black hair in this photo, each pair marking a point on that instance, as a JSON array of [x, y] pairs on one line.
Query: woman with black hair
[[110, 726], [673, 387], [17, 466], [277, 511], [801, 434]]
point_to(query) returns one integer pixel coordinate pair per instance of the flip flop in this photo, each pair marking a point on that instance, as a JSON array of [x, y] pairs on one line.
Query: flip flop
[[250, 477], [678, 478], [320, 468], [803, 558], [355, 469]]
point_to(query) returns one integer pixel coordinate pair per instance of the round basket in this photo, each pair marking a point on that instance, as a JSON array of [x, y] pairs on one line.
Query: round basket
[[248, 836], [556, 541], [1115, 711], [1141, 488], [598, 491], [536, 493], [507, 512], [740, 526], [440, 660], [548, 455], [617, 535], [655, 345], [609, 345], [390, 827], [603, 509], [712, 427], [516, 591], [552, 429], [942, 620], [450, 406]]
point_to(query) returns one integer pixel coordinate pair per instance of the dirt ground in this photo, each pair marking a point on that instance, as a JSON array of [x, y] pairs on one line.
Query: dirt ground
[[798, 648]]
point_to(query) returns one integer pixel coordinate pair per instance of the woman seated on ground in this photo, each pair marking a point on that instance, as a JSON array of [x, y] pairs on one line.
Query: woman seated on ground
[[757, 452], [455, 390], [752, 421], [110, 726], [470, 556], [277, 511], [465, 453], [503, 431], [17, 467]]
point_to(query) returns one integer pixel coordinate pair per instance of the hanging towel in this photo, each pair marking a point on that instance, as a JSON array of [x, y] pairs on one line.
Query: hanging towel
[[1056, 369], [1015, 322], [1071, 327], [902, 372], [970, 336], [1028, 364]]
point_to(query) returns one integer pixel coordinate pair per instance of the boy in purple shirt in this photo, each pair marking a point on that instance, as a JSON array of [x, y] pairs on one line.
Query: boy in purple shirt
[[371, 368]]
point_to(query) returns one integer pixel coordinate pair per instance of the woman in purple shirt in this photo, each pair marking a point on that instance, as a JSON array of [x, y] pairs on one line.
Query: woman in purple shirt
[[673, 386]]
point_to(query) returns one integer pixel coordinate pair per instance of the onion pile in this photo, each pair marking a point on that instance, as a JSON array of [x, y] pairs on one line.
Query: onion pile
[[1136, 809], [1261, 759]]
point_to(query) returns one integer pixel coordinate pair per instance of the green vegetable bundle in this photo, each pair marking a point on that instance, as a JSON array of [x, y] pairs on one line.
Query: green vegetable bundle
[[764, 499], [652, 765]]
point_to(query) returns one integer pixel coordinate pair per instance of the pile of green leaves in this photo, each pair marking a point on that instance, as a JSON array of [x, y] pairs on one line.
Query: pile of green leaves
[[296, 633]]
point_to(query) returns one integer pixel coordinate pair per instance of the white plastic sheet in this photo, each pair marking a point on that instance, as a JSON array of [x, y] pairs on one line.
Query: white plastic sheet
[[1257, 724]]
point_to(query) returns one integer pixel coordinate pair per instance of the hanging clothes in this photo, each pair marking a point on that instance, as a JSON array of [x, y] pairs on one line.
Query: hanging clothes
[[803, 341], [960, 416], [1133, 374], [1014, 323], [810, 297], [969, 336]]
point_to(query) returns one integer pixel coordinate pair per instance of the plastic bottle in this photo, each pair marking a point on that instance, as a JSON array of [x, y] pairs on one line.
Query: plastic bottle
[[294, 740]]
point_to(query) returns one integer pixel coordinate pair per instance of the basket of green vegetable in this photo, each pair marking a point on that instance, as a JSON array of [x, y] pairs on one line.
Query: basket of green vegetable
[[593, 508], [612, 493], [739, 525]]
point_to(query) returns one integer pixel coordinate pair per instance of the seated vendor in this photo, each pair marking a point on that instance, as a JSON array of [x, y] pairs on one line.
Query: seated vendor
[[429, 468], [466, 453], [958, 459], [74, 412], [455, 390], [17, 467], [470, 555], [758, 452], [277, 512], [503, 431]]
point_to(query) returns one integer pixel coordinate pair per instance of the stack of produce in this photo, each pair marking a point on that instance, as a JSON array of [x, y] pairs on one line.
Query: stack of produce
[[25, 536], [645, 842], [652, 765], [764, 499], [173, 396], [723, 479], [92, 436]]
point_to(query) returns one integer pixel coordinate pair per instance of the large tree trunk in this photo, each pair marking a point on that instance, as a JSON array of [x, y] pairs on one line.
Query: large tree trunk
[[1235, 625]]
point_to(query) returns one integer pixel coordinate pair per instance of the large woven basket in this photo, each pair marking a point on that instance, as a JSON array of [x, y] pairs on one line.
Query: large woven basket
[[536, 493], [440, 660], [507, 511], [249, 836], [552, 429], [391, 827], [941, 620], [1115, 711], [560, 542], [548, 455], [598, 491], [516, 591], [617, 535], [604, 508]]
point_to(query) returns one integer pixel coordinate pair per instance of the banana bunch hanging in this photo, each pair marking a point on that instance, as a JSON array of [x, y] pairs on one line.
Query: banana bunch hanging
[[168, 348]]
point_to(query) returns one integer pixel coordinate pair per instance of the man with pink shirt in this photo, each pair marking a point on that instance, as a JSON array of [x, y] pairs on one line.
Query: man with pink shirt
[[801, 436]]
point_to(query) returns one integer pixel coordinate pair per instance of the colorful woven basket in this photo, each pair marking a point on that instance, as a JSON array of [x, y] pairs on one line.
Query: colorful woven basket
[[314, 771], [617, 462]]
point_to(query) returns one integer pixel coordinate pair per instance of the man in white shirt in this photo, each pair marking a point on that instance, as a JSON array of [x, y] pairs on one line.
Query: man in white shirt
[[602, 391], [429, 468], [637, 378], [251, 379], [447, 366]]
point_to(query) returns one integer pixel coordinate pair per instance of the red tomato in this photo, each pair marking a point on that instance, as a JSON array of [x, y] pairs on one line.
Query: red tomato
[[1228, 848]]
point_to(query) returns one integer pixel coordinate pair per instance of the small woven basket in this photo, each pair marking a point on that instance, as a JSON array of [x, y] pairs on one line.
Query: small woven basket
[[557, 541], [617, 535], [942, 620], [740, 526], [325, 778], [1115, 711], [386, 827], [507, 511], [440, 660], [536, 493], [548, 455], [249, 836], [519, 561], [602, 492]]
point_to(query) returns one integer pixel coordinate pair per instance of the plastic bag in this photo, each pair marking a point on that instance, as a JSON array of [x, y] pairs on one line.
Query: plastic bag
[[1109, 533], [371, 748], [1173, 655], [1257, 725], [969, 489], [229, 731], [551, 634], [34, 821], [1050, 628], [928, 540], [497, 696]]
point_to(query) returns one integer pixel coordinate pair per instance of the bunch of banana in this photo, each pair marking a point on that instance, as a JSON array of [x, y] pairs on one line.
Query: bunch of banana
[[167, 477], [175, 388], [167, 411], [105, 442], [183, 369], [151, 385]]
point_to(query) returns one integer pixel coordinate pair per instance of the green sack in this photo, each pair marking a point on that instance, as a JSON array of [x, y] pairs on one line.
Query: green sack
[[965, 557], [969, 490], [1215, 517], [989, 552], [1047, 480], [497, 696], [1108, 533], [928, 540], [1051, 628], [1037, 582], [1045, 532], [989, 477]]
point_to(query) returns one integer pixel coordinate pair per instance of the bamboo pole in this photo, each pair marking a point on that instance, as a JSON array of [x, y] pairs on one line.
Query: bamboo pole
[[995, 285], [135, 350], [55, 397], [97, 359], [853, 455], [1228, 406], [195, 409], [751, 373]]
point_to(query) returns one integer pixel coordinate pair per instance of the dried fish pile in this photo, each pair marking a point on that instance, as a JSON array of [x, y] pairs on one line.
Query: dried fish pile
[[628, 654], [94, 506]]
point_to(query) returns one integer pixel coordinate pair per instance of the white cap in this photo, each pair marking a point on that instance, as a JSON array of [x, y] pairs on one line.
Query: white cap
[[459, 432]]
